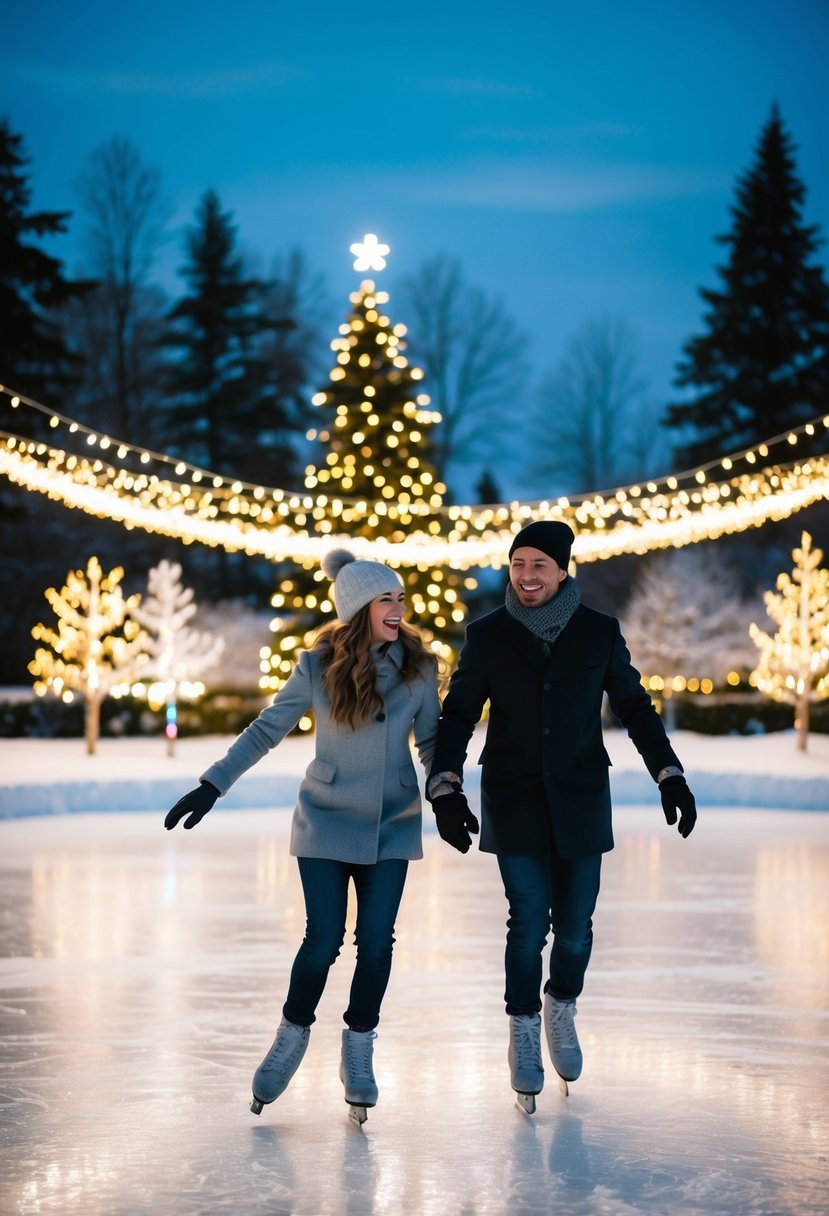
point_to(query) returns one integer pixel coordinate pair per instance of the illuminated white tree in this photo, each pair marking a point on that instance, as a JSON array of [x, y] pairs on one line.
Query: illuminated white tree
[[95, 646], [178, 654], [685, 625], [794, 662]]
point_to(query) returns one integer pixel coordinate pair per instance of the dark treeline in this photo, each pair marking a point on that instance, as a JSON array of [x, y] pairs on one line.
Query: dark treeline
[[222, 374], [219, 376]]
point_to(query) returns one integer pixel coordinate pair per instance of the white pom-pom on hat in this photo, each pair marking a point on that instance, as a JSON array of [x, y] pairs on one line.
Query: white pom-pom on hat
[[334, 561], [356, 582]]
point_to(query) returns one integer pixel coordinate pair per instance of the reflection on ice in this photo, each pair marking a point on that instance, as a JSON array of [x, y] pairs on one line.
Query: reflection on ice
[[142, 979]]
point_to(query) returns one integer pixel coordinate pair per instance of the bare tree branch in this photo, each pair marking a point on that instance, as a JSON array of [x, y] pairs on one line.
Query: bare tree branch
[[473, 358], [124, 220], [593, 425]]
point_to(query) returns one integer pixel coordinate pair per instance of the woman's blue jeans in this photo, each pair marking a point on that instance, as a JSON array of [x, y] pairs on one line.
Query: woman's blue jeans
[[379, 888], [543, 893]]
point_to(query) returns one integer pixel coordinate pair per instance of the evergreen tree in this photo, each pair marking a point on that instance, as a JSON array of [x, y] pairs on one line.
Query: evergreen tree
[[762, 366], [794, 662], [34, 358], [377, 450], [226, 411]]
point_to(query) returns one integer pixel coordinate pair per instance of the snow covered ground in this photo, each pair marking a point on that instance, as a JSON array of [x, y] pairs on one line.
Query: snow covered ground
[[40, 776], [142, 973]]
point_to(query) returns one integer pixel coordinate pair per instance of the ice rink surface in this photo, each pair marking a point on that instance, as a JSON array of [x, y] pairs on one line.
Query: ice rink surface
[[142, 975]]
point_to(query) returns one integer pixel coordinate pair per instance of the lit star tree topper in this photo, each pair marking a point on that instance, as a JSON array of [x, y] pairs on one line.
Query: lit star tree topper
[[794, 662], [369, 253]]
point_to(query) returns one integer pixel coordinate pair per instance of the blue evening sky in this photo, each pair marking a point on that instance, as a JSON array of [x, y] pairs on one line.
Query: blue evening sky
[[578, 158]]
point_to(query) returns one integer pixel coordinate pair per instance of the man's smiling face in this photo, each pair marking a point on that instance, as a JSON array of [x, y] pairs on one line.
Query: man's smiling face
[[535, 577]]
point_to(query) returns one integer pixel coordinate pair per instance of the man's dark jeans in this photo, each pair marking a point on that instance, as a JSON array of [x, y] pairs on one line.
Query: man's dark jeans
[[543, 893]]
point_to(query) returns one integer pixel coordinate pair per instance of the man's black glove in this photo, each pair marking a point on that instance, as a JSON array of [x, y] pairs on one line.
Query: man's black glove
[[454, 819], [196, 804], [676, 796]]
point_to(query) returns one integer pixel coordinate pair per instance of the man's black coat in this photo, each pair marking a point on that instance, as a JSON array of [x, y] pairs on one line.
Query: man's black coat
[[545, 766]]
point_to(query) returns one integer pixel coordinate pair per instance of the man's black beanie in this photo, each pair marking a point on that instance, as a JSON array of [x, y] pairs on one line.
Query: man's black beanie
[[550, 536]]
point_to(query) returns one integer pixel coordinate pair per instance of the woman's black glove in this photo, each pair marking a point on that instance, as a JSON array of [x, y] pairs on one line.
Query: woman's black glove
[[196, 804], [454, 819], [676, 796]]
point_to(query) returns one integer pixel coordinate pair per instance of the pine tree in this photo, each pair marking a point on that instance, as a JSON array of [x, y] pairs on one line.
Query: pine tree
[[178, 654], [762, 367], [96, 645], [377, 450], [794, 662], [34, 358], [225, 408]]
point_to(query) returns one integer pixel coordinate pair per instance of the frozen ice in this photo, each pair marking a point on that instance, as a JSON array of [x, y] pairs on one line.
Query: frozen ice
[[142, 975]]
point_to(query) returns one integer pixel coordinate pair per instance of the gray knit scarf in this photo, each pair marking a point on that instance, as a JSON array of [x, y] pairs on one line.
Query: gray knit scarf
[[547, 621]]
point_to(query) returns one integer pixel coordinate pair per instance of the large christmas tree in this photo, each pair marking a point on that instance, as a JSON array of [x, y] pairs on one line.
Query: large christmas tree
[[762, 366], [374, 479]]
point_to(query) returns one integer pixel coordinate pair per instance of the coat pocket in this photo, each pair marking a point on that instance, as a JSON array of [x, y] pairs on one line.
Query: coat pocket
[[503, 760], [322, 770], [593, 757], [408, 776]]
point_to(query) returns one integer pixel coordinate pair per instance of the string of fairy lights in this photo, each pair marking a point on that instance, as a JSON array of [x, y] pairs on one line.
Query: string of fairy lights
[[401, 517], [160, 493]]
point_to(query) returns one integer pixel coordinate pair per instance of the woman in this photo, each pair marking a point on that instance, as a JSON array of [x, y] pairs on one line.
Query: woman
[[370, 680]]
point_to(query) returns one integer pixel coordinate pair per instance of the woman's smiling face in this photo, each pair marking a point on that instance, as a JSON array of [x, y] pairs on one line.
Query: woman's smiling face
[[386, 612]]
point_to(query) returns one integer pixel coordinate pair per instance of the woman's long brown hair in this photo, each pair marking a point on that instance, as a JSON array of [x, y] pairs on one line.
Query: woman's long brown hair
[[350, 676]]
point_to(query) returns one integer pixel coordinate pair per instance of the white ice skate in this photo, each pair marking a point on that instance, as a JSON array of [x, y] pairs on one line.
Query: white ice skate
[[357, 1072], [526, 1069], [279, 1065], [562, 1040]]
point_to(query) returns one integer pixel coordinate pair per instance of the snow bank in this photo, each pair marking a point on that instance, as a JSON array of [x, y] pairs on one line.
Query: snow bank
[[55, 776]]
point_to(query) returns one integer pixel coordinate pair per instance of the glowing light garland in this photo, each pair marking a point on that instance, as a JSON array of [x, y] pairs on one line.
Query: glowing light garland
[[166, 495]]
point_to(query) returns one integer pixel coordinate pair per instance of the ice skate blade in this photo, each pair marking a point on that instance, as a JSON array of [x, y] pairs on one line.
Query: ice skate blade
[[358, 1114], [525, 1102], [256, 1105], [564, 1087]]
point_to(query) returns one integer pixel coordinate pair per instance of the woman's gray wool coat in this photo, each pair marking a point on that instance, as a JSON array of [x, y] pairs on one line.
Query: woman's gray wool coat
[[359, 800]]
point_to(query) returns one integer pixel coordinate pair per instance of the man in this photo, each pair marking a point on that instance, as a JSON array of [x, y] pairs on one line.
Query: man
[[543, 661]]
